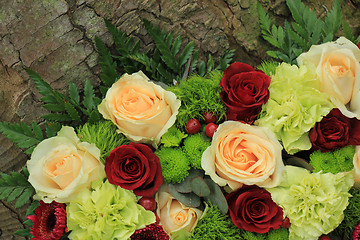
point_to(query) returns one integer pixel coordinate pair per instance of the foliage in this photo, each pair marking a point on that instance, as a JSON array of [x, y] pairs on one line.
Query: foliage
[[30, 211], [268, 67], [25, 136], [166, 62], [196, 188], [306, 30], [174, 164], [351, 215], [194, 146], [67, 109], [15, 186], [199, 95], [340, 160], [104, 135], [214, 225]]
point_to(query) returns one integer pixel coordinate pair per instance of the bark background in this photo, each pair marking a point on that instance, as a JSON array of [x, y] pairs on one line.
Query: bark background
[[56, 39]]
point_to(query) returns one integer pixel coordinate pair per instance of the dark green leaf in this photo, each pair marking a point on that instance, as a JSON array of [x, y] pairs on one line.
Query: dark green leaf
[[24, 233], [108, 66], [189, 199], [73, 113], [74, 93], [15, 193], [24, 197], [57, 117], [216, 196], [199, 187], [185, 55]]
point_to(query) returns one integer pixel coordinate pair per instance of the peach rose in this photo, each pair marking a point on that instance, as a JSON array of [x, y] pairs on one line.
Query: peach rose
[[176, 219], [337, 66], [243, 154], [356, 162], [141, 110], [61, 166]]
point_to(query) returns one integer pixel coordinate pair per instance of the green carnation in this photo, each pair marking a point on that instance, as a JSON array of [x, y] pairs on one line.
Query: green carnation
[[106, 212], [294, 106], [194, 146], [314, 203]]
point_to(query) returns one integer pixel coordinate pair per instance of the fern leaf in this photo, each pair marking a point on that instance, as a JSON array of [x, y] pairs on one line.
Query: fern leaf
[[185, 55], [333, 18], [15, 186], [72, 112], [176, 45], [74, 93], [21, 134], [108, 66], [51, 129]]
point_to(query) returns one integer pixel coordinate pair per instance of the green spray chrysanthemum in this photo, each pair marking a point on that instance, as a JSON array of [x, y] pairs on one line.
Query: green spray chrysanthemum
[[194, 146], [294, 106], [173, 137], [314, 202], [340, 160], [174, 164], [105, 136], [106, 212]]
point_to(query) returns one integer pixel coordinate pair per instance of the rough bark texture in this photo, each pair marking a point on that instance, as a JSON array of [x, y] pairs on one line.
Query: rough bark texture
[[56, 39]]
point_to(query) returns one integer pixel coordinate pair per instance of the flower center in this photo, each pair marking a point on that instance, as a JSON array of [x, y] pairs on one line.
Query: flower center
[[180, 218], [50, 221]]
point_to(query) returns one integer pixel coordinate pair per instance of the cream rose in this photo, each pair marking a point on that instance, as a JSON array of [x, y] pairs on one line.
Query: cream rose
[[337, 66], [141, 110], [243, 154], [356, 162], [61, 166], [176, 219]]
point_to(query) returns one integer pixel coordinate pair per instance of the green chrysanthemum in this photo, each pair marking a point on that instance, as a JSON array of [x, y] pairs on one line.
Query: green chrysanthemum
[[194, 146], [106, 212], [173, 137], [314, 203], [294, 106]]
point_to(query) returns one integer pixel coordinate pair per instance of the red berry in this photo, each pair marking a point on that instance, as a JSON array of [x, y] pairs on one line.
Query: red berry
[[209, 117], [148, 203], [359, 45], [193, 126], [324, 237], [210, 129], [286, 223]]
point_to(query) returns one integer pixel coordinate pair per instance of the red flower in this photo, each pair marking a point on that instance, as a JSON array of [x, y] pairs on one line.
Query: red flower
[[49, 221], [151, 232], [134, 167], [252, 209], [356, 232], [335, 131], [245, 90]]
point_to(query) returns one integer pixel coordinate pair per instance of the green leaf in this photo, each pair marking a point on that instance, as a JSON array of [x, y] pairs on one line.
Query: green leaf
[[24, 233], [15, 193], [74, 93], [51, 129], [57, 117], [108, 66], [72, 112], [176, 45], [33, 206], [225, 59], [189, 199], [199, 187], [185, 55], [216, 196], [21, 134], [210, 63], [54, 107], [24, 197], [202, 69]]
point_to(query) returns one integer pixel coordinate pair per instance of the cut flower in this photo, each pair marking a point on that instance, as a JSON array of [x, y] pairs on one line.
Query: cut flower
[[314, 203], [49, 221], [294, 106], [107, 212]]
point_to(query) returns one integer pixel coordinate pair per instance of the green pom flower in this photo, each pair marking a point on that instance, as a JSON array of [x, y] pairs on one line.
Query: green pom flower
[[174, 164], [173, 137], [294, 106], [340, 160], [106, 212], [314, 203], [199, 95], [194, 146]]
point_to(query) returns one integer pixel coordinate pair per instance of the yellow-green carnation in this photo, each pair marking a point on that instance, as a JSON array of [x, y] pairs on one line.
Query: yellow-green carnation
[[106, 212], [294, 106], [314, 202]]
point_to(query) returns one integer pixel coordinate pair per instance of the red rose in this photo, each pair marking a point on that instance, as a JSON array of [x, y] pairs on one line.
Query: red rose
[[335, 131], [134, 167], [245, 90], [252, 209]]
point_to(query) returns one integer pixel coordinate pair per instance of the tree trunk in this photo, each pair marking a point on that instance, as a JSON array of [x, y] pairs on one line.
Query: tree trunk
[[56, 39]]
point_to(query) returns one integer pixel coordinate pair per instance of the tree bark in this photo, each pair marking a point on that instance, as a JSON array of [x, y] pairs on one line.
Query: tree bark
[[56, 39]]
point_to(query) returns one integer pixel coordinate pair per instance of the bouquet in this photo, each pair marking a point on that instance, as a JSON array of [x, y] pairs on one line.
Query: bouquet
[[178, 148]]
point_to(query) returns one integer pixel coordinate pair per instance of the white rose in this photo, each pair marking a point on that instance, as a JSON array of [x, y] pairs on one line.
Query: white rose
[[337, 66], [61, 166]]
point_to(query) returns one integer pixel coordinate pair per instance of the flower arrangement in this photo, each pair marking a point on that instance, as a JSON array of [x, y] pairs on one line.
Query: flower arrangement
[[171, 151]]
